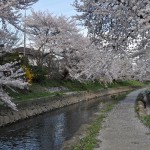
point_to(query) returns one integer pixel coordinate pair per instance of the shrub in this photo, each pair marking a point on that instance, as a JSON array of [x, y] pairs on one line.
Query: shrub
[[39, 74], [28, 74]]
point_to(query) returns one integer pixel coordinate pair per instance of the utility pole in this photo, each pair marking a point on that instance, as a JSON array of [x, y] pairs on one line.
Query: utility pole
[[24, 51]]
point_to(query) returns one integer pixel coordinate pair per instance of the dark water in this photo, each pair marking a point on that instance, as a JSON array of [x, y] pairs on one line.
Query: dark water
[[50, 130]]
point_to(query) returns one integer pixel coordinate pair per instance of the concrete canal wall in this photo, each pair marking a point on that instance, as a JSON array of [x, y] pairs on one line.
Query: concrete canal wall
[[38, 106]]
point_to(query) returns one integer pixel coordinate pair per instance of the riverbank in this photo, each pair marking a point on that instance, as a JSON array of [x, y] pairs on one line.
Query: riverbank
[[38, 106], [52, 88], [85, 138], [143, 107]]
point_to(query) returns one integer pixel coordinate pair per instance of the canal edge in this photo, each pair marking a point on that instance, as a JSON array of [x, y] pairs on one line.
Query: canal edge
[[42, 105]]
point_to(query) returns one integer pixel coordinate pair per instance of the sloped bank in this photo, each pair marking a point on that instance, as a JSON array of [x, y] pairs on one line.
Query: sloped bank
[[35, 107], [141, 105]]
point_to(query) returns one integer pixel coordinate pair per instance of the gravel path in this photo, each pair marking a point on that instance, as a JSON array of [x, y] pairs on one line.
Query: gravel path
[[122, 130]]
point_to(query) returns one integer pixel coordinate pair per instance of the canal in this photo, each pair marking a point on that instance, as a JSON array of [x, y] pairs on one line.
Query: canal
[[50, 130]]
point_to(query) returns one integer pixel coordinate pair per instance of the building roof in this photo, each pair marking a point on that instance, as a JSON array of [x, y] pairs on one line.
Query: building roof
[[28, 51]]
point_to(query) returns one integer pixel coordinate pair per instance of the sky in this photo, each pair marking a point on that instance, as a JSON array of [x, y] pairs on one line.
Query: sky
[[57, 7]]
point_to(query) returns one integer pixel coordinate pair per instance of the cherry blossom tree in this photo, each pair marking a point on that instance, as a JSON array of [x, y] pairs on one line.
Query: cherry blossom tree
[[54, 37], [96, 64], [119, 24], [10, 73], [114, 19]]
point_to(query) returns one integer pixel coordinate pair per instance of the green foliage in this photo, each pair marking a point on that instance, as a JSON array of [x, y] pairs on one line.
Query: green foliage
[[39, 74], [26, 96], [9, 57], [146, 82], [89, 141], [40, 89], [23, 97], [25, 61], [75, 85], [36, 91], [146, 120], [126, 83]]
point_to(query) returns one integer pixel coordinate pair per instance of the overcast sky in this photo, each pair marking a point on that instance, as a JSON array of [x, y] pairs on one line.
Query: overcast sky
[[56, 7]]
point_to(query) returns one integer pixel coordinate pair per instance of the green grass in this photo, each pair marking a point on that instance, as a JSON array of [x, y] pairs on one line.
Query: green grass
[[89, 141], [127, 83], [146, 120], [74, 85], [29, 96], [36, 91], [39, 90]]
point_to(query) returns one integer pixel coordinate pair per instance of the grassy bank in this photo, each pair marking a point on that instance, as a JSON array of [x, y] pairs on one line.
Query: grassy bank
[[74, 85], [146, 120], [89, 141], [42, 90]]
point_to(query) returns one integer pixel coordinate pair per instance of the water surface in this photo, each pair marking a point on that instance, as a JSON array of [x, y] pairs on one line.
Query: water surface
[[50, 130]]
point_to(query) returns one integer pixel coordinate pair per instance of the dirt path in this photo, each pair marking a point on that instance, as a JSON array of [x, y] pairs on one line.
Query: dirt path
[[123, 130]]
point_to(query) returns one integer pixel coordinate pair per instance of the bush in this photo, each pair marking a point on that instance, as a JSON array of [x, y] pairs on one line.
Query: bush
[[10, 57], [29, 75], [39, 74]]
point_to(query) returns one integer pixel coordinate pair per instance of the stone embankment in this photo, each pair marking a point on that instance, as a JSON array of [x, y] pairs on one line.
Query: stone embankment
[[141, 105], [35, 107], [142, 102]]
